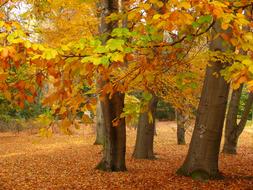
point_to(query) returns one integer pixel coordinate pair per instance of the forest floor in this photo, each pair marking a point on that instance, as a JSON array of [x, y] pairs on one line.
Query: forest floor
[[61, 162]]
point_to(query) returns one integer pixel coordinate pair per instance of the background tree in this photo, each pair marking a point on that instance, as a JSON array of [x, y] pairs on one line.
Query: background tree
[[181, 127], [99, 125], [146, 130], [233, 129]]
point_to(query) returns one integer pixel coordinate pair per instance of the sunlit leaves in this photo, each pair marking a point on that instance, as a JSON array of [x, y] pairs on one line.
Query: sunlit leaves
[[185, 5], [121, 32], [156, 44], [115, 44], [204, 19]]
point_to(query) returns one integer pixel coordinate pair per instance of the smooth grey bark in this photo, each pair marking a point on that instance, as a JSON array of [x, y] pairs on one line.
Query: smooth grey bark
[[99, 125], [202, 159], [144, 144], [112, 107], [234, 130], [181, 120]]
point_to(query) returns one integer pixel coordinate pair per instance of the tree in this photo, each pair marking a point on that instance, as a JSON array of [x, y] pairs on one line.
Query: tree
[[232, 129], [149, 56], [99, 125], [63, 24], [145, 131], [202, 158], [181, 120], [112, 107]]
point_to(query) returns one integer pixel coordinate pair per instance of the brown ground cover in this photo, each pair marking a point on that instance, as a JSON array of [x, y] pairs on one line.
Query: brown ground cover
[[30, 162]]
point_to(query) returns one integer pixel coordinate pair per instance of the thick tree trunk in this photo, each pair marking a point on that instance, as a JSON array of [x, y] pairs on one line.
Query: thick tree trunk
[[234, 130], [112, 108], [181, 120], [145, 133], [99, 125], [115, 136], [202, 159]]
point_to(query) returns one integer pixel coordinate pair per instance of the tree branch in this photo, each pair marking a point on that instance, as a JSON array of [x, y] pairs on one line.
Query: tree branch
[[242, 7], [4, 3], [184, 37]]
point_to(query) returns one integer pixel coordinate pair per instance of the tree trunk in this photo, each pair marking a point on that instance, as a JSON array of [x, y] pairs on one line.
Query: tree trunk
[[234, 130], [231, 121], [115, 136], [99, 125], [112, 107], [202, 159], [181, 120], [145, 133]]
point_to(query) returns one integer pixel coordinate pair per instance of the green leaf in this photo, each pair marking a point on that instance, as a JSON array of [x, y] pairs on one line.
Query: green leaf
[[86, 60], [49, 54], [104, 61], [115, 44], [189, 37], [121, 32], [195, 25], [101, 49], [147, 96], [128, 50], [95, 42], [205, 19]]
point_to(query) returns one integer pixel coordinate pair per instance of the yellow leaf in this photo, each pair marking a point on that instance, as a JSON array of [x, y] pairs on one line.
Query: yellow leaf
[[150, 117], [5, 53], [185, 5]]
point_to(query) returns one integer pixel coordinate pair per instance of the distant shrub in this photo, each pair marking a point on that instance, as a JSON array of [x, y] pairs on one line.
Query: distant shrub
[[165, 111]]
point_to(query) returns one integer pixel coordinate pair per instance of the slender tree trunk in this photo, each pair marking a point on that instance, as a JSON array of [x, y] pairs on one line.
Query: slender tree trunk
[[145, 133], [99, 125], [181, 120], [231, 120], [234, 130], [202, 159], [112, 107]]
